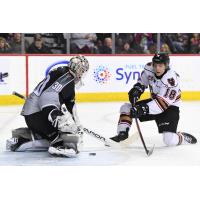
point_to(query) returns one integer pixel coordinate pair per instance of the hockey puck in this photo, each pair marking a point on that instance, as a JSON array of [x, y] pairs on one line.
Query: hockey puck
[[92, 154]]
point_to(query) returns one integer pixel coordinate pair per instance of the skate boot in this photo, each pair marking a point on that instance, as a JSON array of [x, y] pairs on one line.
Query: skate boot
[[123, 135], [188, 138], [60, 147]]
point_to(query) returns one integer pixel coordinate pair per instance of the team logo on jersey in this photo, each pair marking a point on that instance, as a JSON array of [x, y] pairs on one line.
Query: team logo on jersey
[[150, 78], [171, 81], [101, 74]]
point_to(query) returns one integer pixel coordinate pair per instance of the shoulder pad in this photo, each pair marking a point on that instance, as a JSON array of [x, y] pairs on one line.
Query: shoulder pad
[[149, 64], [170, 78], [148, 67]]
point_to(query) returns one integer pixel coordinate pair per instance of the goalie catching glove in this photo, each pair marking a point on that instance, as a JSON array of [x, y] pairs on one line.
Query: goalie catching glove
[[63, 121]]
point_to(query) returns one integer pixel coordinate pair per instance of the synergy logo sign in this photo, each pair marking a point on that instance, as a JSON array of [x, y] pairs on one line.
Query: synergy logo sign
[[129, 73], [101, 74], [126, 74]]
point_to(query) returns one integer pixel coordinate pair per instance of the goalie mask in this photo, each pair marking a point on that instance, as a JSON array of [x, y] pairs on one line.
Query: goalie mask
[[78, 66]]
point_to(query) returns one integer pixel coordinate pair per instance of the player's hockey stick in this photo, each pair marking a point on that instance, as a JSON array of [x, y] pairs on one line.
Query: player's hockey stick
[[150, 151], [106, 141]]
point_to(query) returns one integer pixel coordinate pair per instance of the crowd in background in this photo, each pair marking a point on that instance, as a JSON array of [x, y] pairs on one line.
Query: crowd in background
[[99, 43]]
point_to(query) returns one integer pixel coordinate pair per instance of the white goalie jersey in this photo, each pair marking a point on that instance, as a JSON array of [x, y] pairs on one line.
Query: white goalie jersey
[[165, 91]]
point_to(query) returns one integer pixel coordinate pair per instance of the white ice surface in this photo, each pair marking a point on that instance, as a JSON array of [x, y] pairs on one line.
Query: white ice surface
[[102, 118]]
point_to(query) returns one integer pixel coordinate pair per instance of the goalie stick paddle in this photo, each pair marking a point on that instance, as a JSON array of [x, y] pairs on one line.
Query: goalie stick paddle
[[107, 142]]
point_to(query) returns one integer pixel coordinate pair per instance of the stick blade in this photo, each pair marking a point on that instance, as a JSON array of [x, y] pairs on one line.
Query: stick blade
[[150, 151]]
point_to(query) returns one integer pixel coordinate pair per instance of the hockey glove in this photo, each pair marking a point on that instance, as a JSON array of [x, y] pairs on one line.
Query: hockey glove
[[135, 93], [139, 110], [62, 122]]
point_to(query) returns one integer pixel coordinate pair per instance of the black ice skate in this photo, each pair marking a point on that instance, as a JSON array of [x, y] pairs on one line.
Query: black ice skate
[[123, 135], [189, 139]]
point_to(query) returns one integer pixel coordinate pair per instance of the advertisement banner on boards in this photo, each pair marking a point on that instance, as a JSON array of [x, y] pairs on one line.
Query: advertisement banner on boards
[[116, 73], [12, 74], [106, 74]]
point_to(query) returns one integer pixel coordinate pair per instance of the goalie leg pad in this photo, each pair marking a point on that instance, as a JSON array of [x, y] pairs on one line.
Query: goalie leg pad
[[24, 140], [25, 133], [22, 145], [21, 132]]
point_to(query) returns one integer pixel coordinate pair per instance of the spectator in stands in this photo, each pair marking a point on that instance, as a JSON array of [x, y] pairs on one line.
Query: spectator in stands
[[38, 46], [102, 36], [152, 48], [135, 46], [198, 50], [143, 40], [107, 46], [181, 45], [82, 42], [165, 48], [118, 44], [127, 49], [15, 43], [7, 36], [4, 46], [194, 43], [98, 44]]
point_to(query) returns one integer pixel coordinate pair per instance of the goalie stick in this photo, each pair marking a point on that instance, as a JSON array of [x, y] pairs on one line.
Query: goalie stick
[[107, 142]]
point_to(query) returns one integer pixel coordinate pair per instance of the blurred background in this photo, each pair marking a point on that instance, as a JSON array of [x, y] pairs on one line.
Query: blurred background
[[99, 43]]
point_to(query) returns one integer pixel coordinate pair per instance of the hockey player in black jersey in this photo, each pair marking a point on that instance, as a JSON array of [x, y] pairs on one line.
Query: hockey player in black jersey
[[163, 106], [50, 112]]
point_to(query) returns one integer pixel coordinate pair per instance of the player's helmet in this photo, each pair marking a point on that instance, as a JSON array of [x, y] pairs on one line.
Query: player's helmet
[[78, 65], [161, 58]]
